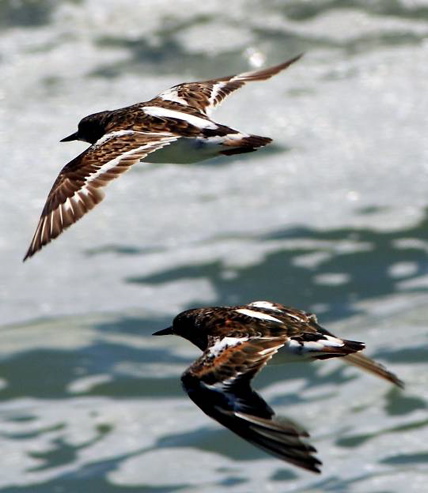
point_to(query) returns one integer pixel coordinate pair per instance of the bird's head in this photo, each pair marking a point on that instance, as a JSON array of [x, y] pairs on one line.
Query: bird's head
[[91, 128], [187, 325]]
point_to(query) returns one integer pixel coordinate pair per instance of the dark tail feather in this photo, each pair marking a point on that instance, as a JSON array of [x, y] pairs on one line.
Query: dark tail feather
[[248, 143], [351, 353], [373, 367]]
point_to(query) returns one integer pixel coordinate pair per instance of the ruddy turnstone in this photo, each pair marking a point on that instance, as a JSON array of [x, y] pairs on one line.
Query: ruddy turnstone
[[174, 127], [237, 342]]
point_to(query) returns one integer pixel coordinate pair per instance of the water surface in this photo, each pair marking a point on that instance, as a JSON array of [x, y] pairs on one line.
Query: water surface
[[331, 218]]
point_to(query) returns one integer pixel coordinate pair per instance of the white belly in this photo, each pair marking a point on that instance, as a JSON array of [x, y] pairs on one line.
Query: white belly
[[186, 150], [286, 355]]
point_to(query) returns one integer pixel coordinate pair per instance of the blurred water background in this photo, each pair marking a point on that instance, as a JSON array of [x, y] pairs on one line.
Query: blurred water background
[[332, 218]]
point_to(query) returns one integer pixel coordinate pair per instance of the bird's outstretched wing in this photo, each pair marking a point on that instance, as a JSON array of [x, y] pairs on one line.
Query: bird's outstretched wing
[[78, 187], [220, 384], [206, 95]]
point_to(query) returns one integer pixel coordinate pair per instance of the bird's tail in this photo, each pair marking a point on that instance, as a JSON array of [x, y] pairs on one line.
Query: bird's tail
[[350, 351], [332, 347], [239, 143], [371, 366]]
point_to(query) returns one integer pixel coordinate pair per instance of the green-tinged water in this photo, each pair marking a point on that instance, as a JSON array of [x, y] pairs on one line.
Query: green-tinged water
[[331, 218]]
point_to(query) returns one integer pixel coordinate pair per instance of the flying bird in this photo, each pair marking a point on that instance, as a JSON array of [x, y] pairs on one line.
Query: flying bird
[[173, 127], [237, 342]]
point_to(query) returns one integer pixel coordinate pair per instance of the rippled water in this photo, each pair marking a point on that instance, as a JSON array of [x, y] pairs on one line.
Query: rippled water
[[332, 218]]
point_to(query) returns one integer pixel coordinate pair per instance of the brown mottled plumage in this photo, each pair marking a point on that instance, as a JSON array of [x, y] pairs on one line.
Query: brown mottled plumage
[[173, 127], [237, 342]]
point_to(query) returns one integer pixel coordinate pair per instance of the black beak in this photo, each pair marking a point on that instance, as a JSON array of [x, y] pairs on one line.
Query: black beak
[[70, 138], [164, 332]]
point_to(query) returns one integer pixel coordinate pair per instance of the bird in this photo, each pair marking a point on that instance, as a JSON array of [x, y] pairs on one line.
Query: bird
[[237, 342], [173, 127]]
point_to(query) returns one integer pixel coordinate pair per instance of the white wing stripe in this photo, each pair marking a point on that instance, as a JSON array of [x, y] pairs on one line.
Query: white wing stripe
[[114, 162], [172, 95], [214, 93], [42, 234], [61, 216], [51, 223], [270, 350], [265, 304], [118, 133], [160, 112], [68, 205], [259, 315], [226, 342]]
